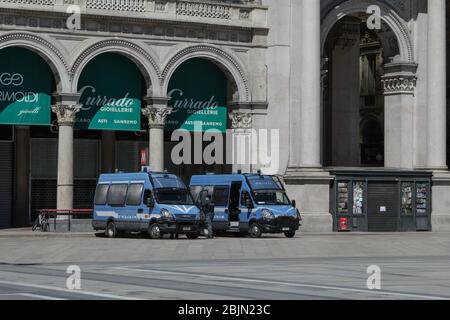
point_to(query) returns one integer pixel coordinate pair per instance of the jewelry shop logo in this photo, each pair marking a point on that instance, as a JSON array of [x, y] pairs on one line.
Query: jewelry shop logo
[[11, 79]]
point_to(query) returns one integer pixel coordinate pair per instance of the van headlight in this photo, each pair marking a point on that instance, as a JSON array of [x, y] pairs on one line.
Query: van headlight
[[166, 214], [267, 214]]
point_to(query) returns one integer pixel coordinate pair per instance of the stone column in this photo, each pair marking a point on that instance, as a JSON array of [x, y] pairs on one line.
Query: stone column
[[65, 109], [241, 141], [437, 144], [305, 179], [399, 83], [156, 112], [310, 121]]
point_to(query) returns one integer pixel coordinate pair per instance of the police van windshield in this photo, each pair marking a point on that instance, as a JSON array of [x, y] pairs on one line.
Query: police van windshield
[[170, 189], [173, 196], [268, 191], [271, 197]]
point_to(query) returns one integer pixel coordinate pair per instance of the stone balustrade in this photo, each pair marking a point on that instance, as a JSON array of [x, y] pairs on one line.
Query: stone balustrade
[[232, 12]]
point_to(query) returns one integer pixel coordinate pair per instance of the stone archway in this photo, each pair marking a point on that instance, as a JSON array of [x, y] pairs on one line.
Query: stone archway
[[46, 49], [388, 15], [395, 84], [228, 62], [40, 67], [199, 92], [145, 60]]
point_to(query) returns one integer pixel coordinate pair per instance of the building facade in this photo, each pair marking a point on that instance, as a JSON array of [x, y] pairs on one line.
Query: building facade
[[355, 89]]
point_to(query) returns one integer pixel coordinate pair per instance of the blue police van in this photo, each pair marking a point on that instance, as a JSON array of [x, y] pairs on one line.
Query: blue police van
[[248, 204], [157, 203]]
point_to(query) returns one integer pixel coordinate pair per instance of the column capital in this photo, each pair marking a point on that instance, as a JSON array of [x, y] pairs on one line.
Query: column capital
[[156, 116], [241, 120], [66, 113], [399, 78]]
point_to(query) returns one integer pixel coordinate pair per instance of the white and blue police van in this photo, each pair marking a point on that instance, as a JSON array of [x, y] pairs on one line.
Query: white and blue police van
[[157, 203], [248, 204]]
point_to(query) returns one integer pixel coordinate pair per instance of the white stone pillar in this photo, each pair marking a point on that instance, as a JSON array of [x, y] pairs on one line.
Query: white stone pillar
[[437, 144], [310, 122], [242, 143], [65, 110], [156, 112], [399, 83]]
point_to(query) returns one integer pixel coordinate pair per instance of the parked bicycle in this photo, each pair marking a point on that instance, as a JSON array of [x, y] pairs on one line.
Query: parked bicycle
[[41, 223]]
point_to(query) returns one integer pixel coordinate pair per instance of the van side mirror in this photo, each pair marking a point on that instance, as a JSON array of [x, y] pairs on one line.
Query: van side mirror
[[294, 203]]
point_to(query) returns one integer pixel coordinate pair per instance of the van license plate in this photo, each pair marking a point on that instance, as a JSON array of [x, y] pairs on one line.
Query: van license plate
[[234, 224], [186, 228], [286, 229]]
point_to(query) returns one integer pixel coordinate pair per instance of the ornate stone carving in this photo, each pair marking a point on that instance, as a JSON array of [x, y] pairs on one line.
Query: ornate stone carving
[[33, 2], [156, 116], [204, 10], [241, 121], [399, 78], [399, 84], [122, 5], [66, 113]]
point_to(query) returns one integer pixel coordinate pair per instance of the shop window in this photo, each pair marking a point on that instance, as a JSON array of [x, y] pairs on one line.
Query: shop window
[[101, 194], [407, 198], [358, 197], [117, 194], [422, 198], [342, 198], [134, 194]]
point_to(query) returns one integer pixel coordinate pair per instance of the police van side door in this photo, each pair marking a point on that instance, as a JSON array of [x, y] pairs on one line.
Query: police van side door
[[134, 211], [220, 198], [246, 206]]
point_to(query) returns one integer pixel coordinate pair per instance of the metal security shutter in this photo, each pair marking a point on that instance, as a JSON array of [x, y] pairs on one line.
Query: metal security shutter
[[383, 206], [128, 155], [86, 159], [44, 170], [6, 183], [86, 171], [44, 158]]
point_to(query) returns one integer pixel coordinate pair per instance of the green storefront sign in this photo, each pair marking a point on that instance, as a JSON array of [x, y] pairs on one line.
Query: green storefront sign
[[111, 92], [26, 84], [198, 91]]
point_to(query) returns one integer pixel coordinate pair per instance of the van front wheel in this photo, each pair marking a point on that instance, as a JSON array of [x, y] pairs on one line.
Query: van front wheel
[[290, 234], [154, 231], [255, 231], [192, 236], [111, 231]]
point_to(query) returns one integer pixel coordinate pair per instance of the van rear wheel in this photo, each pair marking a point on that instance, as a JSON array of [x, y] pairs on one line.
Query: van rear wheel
[[154, 231], [111, 231], [255, 231]]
